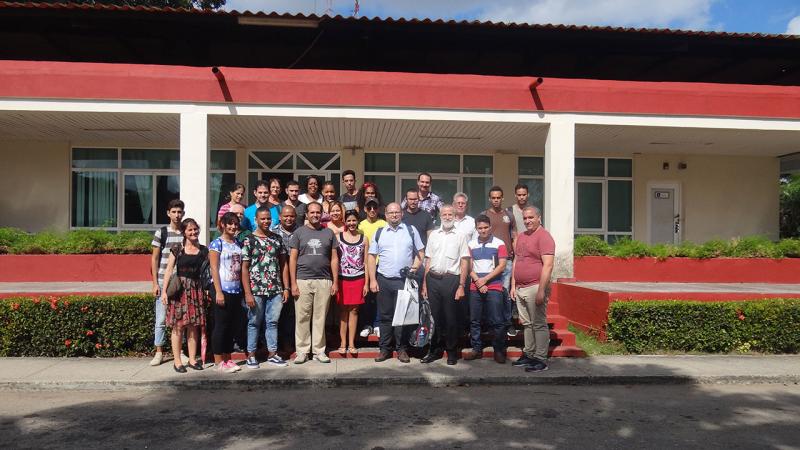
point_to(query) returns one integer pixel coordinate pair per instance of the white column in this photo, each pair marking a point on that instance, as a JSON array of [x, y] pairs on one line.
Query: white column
[[559, 191], [195, 156]]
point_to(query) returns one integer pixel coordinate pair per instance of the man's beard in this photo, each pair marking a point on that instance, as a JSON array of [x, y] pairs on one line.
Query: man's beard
[[448, 224]]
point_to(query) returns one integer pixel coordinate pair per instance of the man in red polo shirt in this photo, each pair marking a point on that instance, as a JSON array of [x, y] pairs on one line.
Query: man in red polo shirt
[[530, 279]]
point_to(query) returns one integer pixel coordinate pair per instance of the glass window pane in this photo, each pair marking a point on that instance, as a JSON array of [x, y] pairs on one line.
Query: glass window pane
[[94, 199], [620, 167], [405, 185], [320, 159], [252, 179], [379, 162], [612, 238], [94, 158], [590, 205], [477, 189], [385, 185], [270, 159], [590, 167], [223, 160], [302, 165], [167, 189], [478, 164], [150, 159], [216, 197], [620, 197], [531, 165], [535, 192], [138, 200], [419, 162]]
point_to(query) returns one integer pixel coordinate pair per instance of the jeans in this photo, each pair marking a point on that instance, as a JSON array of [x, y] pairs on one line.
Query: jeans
[[387, 300], [160, 324], [508, 302], [489, 305], [267, 309]]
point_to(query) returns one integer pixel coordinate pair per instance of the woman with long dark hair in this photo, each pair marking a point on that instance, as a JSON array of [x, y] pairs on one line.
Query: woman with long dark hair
[[235, 195], [352, 282], [186, 310], [225, 258]]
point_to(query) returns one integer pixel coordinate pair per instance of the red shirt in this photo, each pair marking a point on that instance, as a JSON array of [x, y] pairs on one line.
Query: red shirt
[[529, 251]]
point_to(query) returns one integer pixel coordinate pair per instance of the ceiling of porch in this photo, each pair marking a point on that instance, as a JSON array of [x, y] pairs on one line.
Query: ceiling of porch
[[154, 130]]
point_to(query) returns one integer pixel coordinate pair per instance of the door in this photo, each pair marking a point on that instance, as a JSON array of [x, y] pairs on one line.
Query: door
[[664, 214]]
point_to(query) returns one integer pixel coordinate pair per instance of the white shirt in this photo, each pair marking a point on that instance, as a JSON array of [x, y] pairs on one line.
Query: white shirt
[[466, 226], [304, 198], [445, 250]]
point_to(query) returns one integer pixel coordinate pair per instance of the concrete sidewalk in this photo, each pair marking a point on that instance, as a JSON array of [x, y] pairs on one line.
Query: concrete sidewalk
[[136, 374]]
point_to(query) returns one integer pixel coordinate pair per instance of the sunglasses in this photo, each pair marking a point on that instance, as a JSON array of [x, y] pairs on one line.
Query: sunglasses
[[370, 207]]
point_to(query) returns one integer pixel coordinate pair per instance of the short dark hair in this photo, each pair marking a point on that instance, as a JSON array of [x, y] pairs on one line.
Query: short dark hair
[[308, 206], [292, 183], [229, 218], [496, 189], [521, 186], [421, 174], [483, 218], [260, 183], [264, 208], [349, 172], [175, 203], [410, 190]]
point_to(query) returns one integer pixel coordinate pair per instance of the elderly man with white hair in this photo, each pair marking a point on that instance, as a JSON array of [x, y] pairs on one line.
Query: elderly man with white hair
[[464, 223]]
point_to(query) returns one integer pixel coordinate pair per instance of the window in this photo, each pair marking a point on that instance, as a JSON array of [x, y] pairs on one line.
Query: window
[[122, 188], [604, 197], [291, 165], [394, 173]]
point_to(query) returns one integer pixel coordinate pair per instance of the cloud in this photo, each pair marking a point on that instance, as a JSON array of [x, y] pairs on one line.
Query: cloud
[[687, 14], [794, 26]]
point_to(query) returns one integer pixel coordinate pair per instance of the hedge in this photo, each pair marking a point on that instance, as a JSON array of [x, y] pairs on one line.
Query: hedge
[[767, 326], [16, 241], [106, 326], [746, 247]]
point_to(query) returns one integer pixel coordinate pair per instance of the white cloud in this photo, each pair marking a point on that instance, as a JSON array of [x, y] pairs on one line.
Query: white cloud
[[686, 14], [794, 26]]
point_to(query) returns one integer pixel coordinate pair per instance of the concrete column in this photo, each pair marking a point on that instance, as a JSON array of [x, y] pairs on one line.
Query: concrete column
[[559, 191], [506, 171], [194, 166], [353, 160]]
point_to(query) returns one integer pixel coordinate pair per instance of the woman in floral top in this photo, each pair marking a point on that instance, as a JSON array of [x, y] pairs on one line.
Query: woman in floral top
[[265, 279], [352, 281], [225, 256]]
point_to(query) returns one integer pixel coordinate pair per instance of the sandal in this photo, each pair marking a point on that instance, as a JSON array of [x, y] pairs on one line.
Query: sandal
[[342, 351], [354, 352]]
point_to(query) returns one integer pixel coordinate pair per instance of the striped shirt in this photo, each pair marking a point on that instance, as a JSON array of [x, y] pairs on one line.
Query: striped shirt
[[485, 258], [173, 237]]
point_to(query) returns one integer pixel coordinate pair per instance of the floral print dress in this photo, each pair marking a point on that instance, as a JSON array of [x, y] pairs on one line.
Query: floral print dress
[[189, 308]]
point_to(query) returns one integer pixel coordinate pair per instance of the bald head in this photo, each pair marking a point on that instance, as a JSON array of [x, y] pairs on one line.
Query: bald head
[[394, 213]]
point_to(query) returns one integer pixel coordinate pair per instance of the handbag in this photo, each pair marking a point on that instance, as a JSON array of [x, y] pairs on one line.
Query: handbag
[[174, 287], [406, 310]]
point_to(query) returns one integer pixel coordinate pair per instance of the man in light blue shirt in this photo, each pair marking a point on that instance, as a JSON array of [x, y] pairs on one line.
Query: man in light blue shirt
[[393, 248]]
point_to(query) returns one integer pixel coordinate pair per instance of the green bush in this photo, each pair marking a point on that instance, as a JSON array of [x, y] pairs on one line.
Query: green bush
[[746, 247], [76, 326], [15, 241], [768, 326]]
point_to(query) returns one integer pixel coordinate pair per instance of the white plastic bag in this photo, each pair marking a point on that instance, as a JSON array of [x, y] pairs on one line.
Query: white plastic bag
[[406, 311]]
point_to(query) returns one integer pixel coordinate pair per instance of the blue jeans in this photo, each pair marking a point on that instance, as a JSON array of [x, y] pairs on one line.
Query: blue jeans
[[508, 302], [267, 309], [489, 305], [160, 323]]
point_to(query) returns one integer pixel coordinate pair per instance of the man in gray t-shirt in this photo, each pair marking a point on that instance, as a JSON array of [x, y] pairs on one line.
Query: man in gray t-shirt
[[314, 271]]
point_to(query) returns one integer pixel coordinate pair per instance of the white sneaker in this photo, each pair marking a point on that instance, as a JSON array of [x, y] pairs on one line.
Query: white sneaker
[[157, 359], [300, 358], [322, 357], [511, 332], [366, 331], [377, 332]]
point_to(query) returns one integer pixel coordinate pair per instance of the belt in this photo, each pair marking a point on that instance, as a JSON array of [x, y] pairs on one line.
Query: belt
[[390, 278], [439, 276]]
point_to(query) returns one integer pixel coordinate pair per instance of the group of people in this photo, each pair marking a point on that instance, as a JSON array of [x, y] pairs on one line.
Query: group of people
[[270, 276]]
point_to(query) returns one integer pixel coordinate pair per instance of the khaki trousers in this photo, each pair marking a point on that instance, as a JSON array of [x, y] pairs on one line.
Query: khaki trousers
[[310, 310], [534, 322]]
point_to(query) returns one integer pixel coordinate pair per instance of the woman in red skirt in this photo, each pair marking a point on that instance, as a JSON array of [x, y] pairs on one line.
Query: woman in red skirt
[[352, 281]]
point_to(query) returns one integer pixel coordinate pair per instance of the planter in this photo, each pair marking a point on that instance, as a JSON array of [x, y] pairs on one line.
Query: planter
[[50, 268], [688, 270]]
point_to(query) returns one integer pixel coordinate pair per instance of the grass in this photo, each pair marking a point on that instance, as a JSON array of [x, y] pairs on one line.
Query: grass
[[593, 346]]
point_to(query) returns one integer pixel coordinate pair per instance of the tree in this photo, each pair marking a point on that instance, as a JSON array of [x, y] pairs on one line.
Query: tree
[[198, 4], [790, 207]]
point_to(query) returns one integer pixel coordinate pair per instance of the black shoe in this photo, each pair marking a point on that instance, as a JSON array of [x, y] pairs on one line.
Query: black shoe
[[537, 366], [383, 357], [522, 361], [180, 369], [431, 357], [452, 359], [197, 365]]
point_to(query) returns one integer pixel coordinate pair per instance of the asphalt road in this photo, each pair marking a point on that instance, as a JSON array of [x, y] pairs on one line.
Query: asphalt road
[[545, 417]]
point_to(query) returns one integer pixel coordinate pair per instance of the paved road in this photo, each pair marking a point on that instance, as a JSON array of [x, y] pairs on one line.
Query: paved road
[[546, 417]]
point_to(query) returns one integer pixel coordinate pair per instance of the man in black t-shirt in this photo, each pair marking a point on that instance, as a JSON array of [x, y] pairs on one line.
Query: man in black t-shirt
[[414, 216], [348, 198]]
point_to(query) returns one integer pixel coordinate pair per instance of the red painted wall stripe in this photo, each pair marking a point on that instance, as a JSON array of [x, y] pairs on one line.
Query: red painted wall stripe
[[62, 80], [686, 270]]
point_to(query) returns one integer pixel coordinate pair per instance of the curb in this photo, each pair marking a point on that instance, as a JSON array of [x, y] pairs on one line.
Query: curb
[[430, 381]]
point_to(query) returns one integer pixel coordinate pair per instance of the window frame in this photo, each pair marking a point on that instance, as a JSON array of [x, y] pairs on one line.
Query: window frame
[[603, 231]]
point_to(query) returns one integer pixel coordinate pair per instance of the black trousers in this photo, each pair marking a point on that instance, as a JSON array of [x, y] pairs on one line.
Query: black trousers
[[448, 314], [387, 300], [227, 324]]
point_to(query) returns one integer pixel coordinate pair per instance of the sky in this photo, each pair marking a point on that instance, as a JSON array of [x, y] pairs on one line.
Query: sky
[[740, 16]]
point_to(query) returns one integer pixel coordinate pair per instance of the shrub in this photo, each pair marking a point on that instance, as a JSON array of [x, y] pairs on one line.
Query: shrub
[[768, 326], [76, 326], [746, 247], [588, 245], [628, 248], [16, 241]]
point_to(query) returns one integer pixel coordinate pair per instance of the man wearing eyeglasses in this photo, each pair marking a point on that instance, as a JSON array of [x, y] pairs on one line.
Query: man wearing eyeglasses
[[368, 313]]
